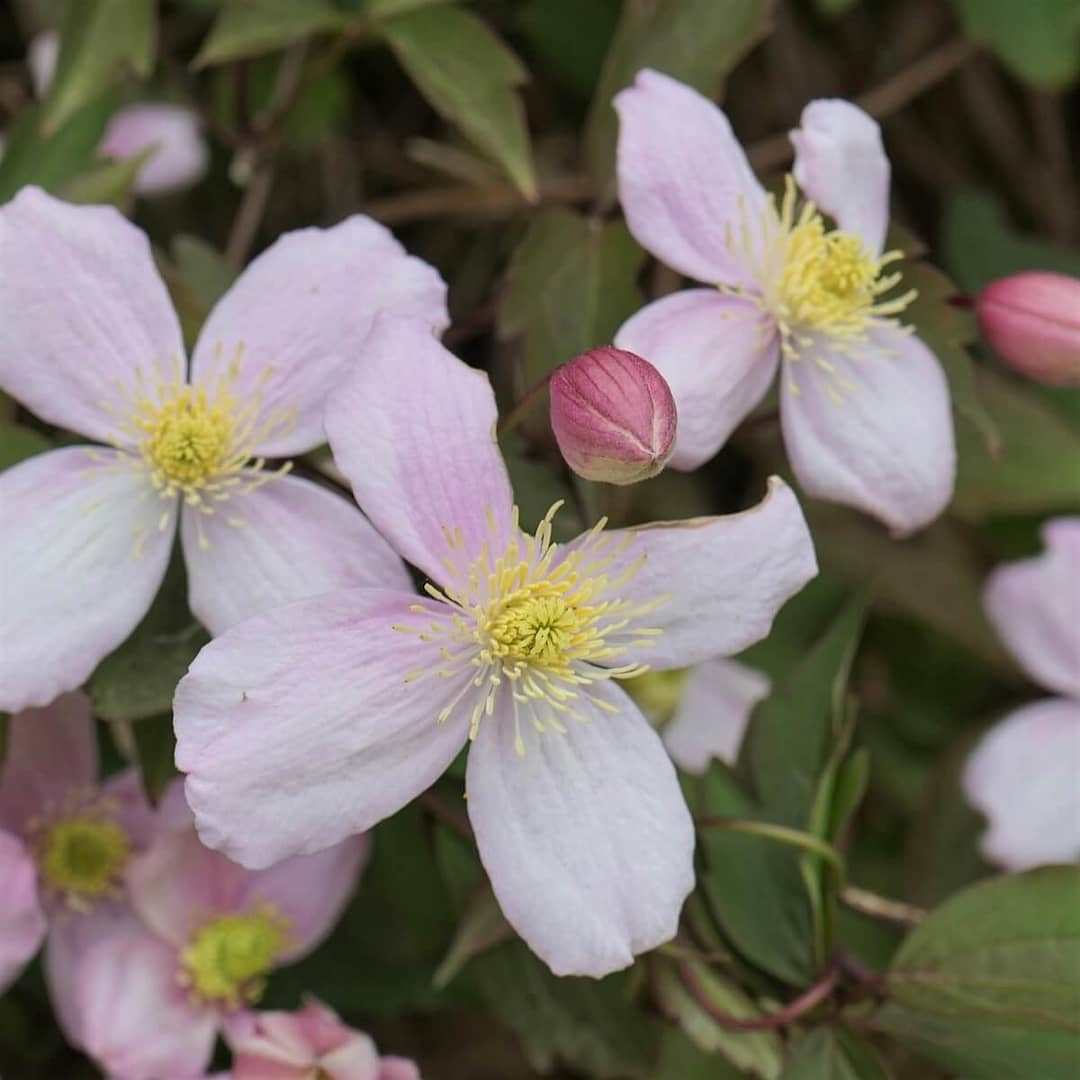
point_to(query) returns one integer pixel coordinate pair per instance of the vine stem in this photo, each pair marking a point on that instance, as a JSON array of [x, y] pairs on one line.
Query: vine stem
[[781, 834], [881, 907]]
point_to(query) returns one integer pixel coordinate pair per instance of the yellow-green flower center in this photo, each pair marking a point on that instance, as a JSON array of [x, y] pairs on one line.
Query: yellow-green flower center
[[227, 960], [83, 858]]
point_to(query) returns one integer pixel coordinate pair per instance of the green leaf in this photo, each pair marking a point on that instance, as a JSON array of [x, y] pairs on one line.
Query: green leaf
[[680, 1059], [137, 681], [99, 41], [681, 987], [696, 41], [588, 1024], [197, 276], [1037, 467], [1039, 40], [470, 77], [384, 9], [571, 284], [18, 443], [482, 927], [156, 746], [833, 1053], [571, 37], [250, 27], [111, 182]]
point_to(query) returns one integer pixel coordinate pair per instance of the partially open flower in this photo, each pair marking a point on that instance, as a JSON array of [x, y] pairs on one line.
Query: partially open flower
[[1032, 321], [613, 416]]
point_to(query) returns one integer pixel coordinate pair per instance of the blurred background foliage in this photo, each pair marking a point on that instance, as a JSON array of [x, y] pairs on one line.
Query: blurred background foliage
[[482, 133]]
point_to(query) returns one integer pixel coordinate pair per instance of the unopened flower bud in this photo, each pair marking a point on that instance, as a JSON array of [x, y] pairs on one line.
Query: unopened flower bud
[[613, 416], [1032, 321]]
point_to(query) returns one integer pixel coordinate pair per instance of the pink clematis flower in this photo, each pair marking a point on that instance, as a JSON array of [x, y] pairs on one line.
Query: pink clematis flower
[[180, 155], [310, 1044], [91, 343], [22, 922], [155, 988], [864, 404], [702, 712], [515, 648], [1024, 774]]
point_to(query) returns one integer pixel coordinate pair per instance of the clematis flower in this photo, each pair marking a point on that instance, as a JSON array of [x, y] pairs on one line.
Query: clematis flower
[[180, 154], [91, 343], [22, 922], [1024, 774], [310, 1044], [702, 712], [516, 648], [154, 989], [864, 405]]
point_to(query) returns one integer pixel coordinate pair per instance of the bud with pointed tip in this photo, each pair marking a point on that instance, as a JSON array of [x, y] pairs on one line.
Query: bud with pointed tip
[[1032, 321], [613, 416]]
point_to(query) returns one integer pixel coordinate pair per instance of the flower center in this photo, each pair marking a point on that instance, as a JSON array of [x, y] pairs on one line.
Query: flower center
[[227, 960], [814, 281], [83, 858], [542, 622]]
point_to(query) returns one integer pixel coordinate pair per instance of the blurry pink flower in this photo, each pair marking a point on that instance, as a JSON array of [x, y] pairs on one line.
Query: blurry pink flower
[[180, 154], [310, 1044], [22, 922], [613, 416], [864, 404], [1032, 321], [1024, 775], [703, 712], [154, 988], [515, 648], [91, 343]]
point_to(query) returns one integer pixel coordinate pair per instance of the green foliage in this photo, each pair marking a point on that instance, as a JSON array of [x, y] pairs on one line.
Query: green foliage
[[833, 1053], [249, 27]]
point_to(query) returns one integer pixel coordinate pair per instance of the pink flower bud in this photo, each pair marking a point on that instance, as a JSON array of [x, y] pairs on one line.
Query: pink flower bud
[[613, 416], [1032, 321]]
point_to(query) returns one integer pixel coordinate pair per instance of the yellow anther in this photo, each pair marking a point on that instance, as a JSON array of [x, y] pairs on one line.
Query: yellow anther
[[82, 858]]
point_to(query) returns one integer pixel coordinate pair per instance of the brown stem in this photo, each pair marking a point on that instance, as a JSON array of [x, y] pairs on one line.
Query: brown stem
[[523, 407], [249, 215], [434, 804]]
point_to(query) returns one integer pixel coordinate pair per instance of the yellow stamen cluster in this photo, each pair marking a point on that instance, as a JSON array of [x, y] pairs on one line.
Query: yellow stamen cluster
[[82, 852], [227, 960], [543, 622], [820, 285]]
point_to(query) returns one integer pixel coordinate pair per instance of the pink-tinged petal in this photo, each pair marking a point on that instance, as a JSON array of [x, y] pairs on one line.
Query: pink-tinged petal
[[413, 428], [717, 701], [1024, 776], [684, 180], [300, 313], [180, 155], [81, 557], [50, 752], [356, 1060], [22, 922], [138, 818], [725, 578], [321, 1028], [298, 728], [137, 1023], [395, 1068], [841, 165], [1034, 605], [41, 57], [82, 306], [286, 540], [719, 355], [877, 434], [586, 838]]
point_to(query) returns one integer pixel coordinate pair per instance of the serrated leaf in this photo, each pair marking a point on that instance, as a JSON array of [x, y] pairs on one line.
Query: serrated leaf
[[250, 27], [470, 77], [1039, 40], [99, 41], [834, 1053], [681, 986], [696, 41]]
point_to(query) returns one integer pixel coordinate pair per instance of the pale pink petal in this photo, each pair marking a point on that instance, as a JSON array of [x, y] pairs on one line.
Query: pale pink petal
[[298, 728], [22, 922], [841, 165], [81, 557], [82, 307], [719, 356], [321, 1028], [356, 1060], [684, 180], [138, 818], [137, 1022], [180, 155], [396, 1068], [286, 540], [41, 57], [724, 580], [876, 433], [50, 752], [1034, 605], [1025, 777], [413, 428], [586, 837], [711, 718], [300, 313]]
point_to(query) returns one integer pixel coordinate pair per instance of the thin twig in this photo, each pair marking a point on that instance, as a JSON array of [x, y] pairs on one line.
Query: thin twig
[[524, 406], [249, 215], [781, 834], [434, 804], [881, 907]]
